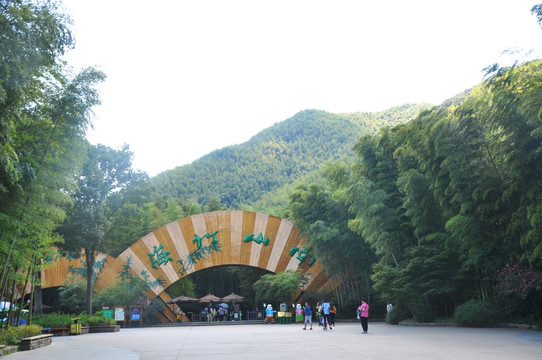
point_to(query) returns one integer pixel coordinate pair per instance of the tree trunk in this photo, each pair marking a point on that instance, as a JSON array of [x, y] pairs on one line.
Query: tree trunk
[[36, 309], [33, 297], [23, 291], [89, 257]]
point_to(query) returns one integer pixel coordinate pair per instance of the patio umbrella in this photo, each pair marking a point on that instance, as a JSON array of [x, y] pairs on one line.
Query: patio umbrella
[[182, 299], [234, 298], [209, 298]]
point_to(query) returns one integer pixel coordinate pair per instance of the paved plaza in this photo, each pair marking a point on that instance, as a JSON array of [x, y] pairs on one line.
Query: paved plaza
[[258, 341]]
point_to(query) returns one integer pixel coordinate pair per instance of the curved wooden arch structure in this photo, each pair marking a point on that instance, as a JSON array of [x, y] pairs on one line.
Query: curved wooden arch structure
[[218, 238]]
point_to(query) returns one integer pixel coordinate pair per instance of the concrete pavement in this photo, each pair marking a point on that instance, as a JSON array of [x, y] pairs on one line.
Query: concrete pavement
[[276, 341]]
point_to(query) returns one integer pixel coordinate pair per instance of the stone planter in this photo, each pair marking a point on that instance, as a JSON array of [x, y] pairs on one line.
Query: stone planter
[[34, 342], [99, 328]]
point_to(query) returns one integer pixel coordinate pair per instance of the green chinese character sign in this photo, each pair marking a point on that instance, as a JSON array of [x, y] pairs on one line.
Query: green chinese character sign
[[197, 239], [258, 240], [201, 253], [159, 256], [303, 254]]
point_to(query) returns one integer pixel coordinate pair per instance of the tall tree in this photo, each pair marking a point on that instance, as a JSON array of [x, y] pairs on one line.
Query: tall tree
[[277, 287], [324, 220], [44, 113], [105, 175]]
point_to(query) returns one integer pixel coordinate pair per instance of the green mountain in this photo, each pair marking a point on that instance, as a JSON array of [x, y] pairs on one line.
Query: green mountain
[[259, 173]]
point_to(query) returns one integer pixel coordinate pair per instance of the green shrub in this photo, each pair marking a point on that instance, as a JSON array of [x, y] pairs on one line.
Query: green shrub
[[53, 320], [8, 337], [396, 315], [97, 318], [14, 334], [421, 310], [56, 320], [123, 293], [475, 313]]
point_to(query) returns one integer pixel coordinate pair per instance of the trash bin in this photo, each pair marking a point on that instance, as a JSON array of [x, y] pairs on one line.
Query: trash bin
[[75, 327], [285, 317]]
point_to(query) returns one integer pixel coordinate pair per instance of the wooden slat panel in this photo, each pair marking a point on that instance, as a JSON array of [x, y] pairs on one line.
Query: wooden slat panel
[[281, 239], [317, 282], [271, 232], [292, 264], [109, 275], [176, 235], [212, 225], [162, 318], [187, 229], [142, 252], [157, 238], [224, 224], [171, 243], [285, 257], [56, 273], [200, 229], [249, 221], [171, 314], [236, 231], [138, 267], [260, 226]]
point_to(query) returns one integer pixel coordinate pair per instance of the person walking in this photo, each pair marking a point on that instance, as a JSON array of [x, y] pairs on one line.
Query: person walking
[[364, 315], [332, 312], [319, 313], [325, 310], [389, 306], [308, 316]]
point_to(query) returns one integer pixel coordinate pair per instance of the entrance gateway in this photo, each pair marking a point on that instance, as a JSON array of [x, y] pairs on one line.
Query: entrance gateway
[[203, 241]]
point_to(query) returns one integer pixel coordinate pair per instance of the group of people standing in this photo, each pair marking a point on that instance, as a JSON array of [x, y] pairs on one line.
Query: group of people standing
[[210, 313], [325, 314]]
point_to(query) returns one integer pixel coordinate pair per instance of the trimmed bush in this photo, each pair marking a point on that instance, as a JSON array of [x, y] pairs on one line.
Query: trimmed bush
[[56, 320], [97, 318], [14, 334], [53, 320], [475, 313]]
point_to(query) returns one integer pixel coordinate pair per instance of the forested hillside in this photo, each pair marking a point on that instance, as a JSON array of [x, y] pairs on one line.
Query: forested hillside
[[273, 160]]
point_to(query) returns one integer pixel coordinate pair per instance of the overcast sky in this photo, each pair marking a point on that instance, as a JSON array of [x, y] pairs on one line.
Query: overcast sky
[[189, 77]]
